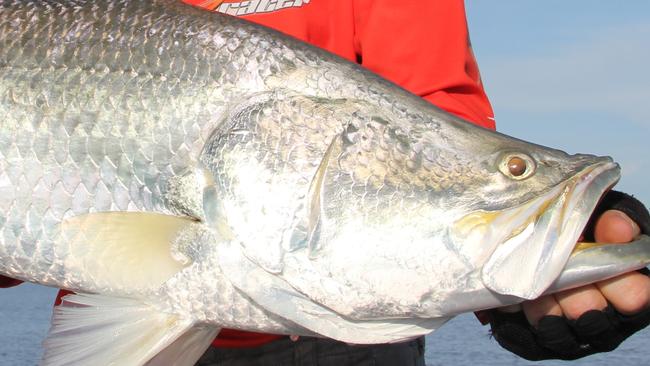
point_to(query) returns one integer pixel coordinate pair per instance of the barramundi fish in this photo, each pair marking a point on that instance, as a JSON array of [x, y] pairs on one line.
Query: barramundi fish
[[184, 171]]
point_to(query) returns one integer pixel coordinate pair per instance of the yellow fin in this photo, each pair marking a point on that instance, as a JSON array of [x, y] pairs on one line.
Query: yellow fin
[[123, 252]]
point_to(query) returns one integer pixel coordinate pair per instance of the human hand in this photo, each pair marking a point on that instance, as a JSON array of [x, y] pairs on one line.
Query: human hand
[[628, 293], [590, 319]]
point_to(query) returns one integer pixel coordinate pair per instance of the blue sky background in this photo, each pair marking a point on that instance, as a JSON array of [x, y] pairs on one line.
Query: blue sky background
[[574, 75]]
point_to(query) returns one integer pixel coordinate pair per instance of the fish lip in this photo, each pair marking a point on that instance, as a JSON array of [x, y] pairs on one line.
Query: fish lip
[[579, 198], [586, 192]]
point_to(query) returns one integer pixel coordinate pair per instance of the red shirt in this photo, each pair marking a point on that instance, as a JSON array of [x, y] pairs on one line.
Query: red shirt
[[421, 45], [8, 282]]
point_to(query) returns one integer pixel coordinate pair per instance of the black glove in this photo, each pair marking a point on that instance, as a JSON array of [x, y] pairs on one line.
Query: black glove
[[595, 331]]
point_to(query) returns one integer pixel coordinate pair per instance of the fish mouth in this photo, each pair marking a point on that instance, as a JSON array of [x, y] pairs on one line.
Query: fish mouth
[[541, 234], [584, 193]]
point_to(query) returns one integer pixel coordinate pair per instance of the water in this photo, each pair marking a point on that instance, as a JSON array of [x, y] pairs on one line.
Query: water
[[24, 319], [25, 314]]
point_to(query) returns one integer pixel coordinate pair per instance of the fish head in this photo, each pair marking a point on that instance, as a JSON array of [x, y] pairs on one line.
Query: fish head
[[415, 210], [397, 206], [534, 203]]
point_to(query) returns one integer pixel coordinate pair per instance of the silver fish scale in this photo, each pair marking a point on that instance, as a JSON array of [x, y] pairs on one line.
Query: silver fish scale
[[97, 116], [317, 191], [185, 294]]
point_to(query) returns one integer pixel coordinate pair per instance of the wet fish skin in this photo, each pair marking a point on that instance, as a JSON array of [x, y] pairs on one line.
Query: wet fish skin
[[189, 164], [67, 77]]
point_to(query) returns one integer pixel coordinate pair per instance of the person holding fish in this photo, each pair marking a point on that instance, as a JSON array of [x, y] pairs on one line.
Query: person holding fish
[[424, 47]]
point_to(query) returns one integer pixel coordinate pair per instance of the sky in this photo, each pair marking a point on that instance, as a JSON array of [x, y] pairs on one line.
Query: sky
[[573, 75]]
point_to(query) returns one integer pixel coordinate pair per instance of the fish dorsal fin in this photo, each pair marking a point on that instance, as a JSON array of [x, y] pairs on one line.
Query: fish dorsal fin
[[125, 252]]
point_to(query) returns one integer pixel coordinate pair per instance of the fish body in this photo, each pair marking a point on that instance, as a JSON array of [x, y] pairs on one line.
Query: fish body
[[185, 171]]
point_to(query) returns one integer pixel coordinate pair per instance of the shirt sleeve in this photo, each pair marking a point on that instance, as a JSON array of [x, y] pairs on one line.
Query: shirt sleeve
[[424, 47], [8, 282]]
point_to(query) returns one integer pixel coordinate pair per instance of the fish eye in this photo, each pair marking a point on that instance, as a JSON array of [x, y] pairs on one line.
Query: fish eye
[[517, 166]]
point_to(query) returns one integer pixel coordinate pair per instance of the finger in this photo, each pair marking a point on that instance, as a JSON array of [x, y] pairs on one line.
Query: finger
[[614, 226], [576, 302], [628, 293], [538, 308]]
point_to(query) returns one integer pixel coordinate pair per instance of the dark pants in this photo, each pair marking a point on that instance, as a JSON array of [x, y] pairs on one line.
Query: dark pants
[[308, 351]]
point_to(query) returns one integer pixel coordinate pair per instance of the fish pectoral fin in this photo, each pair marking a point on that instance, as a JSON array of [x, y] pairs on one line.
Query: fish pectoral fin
[[126, 252], [100, 330]]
